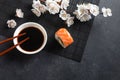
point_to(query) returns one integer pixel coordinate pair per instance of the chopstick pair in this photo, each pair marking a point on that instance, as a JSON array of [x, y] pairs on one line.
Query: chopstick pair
[[11, 48]]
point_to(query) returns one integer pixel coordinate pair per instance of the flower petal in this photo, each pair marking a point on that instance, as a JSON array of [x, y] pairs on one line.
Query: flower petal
[[36, 12]]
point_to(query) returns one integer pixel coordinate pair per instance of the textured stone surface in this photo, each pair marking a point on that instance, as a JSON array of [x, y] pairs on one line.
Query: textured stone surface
[[100, 60]]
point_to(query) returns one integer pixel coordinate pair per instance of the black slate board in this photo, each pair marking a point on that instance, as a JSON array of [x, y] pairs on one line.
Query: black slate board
[[79, 31]]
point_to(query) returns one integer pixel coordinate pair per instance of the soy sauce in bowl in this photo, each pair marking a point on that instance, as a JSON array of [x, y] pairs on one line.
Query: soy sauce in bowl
[[36, 39]]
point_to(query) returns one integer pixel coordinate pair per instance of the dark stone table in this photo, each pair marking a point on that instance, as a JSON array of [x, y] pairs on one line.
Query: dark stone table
[[100, 60]]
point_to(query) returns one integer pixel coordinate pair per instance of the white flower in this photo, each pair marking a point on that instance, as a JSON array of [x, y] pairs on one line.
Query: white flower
[[82, 13], [36, 12], [19, 13], [94, 9], [11, 23], [85, 18], [52, 6], [42, 8], [37, 5], [63, 15], [65, 4], [83, 9], [106, 12], [70, 21]]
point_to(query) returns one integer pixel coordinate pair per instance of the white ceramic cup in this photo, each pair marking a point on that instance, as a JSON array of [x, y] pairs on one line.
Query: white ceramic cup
[[27, 25]]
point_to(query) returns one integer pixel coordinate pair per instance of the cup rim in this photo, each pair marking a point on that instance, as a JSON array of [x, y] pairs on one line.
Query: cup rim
[[26, 25]]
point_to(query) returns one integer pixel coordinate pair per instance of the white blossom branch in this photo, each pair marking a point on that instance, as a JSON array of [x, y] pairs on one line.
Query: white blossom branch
[[83, 13]]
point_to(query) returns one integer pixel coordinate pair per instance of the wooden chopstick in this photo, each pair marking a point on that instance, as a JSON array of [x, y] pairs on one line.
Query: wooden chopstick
[[11, 38], [11, 48]]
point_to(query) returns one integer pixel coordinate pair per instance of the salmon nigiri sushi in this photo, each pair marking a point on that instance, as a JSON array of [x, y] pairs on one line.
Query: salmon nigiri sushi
[[64, 37]]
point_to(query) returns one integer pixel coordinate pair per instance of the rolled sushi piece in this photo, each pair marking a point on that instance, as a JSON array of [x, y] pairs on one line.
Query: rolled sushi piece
[[64, 37]]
